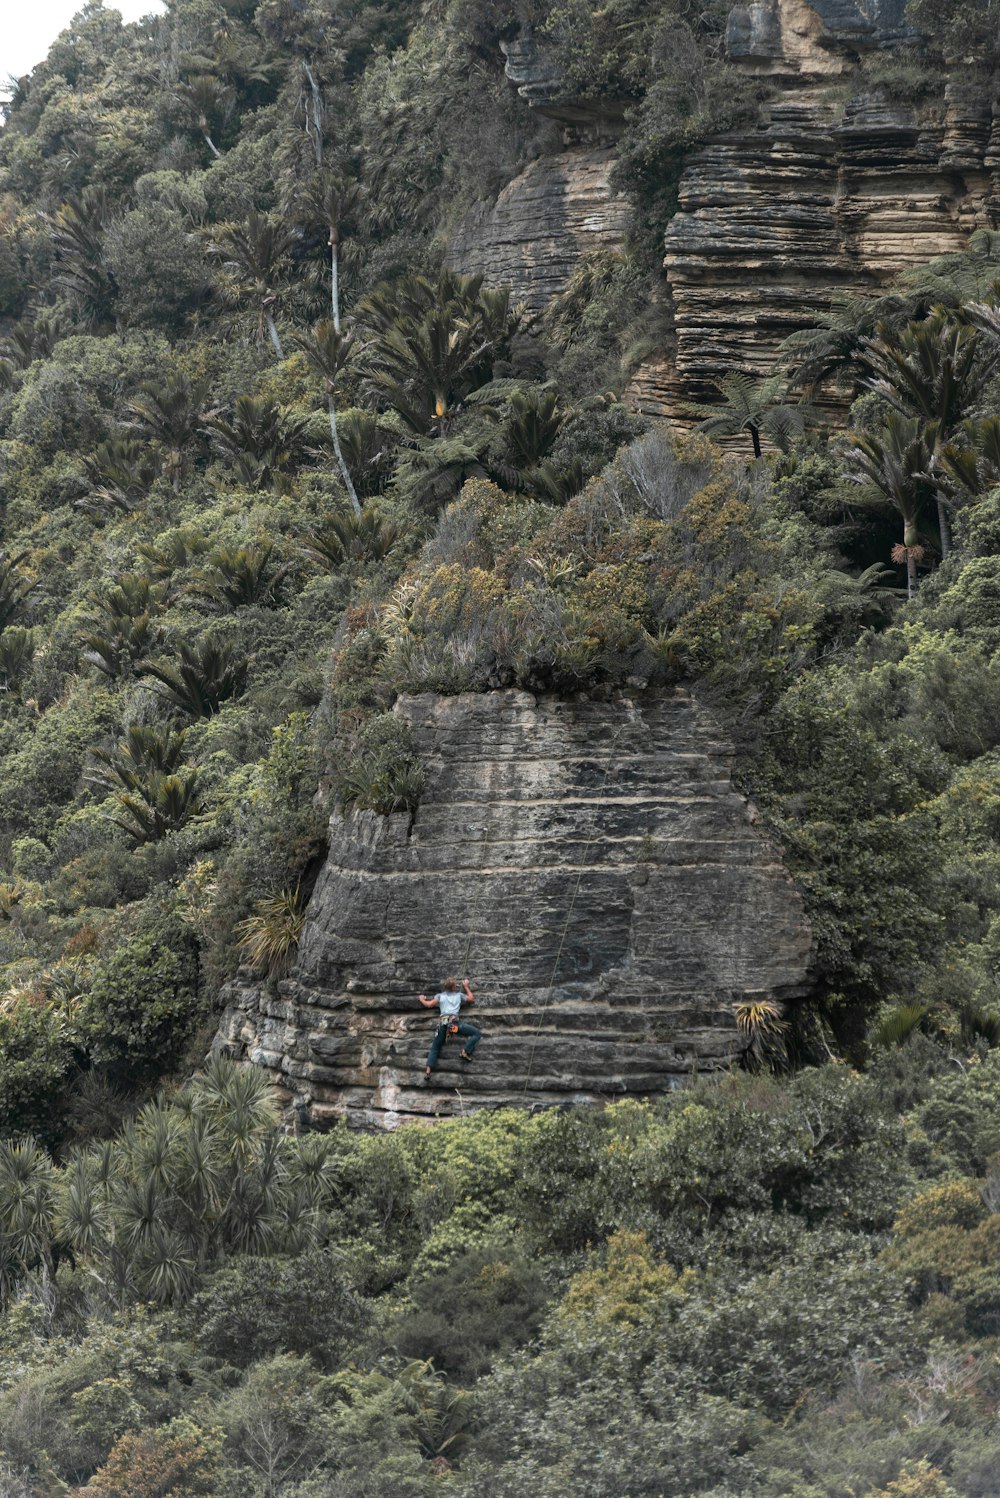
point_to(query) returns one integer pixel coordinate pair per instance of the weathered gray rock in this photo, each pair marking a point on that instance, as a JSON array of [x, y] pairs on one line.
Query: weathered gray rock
[[592, 869], [559, 209], [815, 198]]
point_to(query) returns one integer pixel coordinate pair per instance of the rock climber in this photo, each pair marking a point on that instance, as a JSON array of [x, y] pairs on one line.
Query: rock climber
[[449, 1003]]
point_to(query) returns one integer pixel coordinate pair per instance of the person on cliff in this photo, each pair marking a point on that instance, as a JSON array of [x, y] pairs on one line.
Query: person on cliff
[[449, 1004]]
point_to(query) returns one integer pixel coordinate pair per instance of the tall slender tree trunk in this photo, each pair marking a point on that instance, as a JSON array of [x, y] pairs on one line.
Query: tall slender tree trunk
[[316, 133], [755, 434], [272, 333], [345, 472], [210, 143], [911, 573], [335, 278], [944, 527]]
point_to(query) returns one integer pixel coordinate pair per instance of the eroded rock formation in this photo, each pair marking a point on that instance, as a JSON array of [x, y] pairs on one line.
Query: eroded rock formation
[[827, 191], [831, 188], [593, 868], [558, 210]]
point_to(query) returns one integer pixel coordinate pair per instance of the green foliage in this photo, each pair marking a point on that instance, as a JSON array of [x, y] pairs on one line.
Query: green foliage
[[141, 1002], [207, 674], [235, 577], [381, 773], [36, 1047], [765, 1286], [487, 1302], [155, 791], [154, 260], [258, 1307], [270, 937], [433, 343]]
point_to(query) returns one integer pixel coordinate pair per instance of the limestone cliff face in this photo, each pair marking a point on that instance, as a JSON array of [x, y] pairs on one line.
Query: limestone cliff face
[[558, 210], [562, 206], [588, 864], [831, 188]]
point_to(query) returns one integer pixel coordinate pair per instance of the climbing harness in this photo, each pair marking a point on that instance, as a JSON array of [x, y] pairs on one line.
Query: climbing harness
[[569, 914]]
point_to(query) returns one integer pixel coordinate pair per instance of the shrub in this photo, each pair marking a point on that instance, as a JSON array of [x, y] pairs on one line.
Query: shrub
[[179, 1460], [37, 1062], [143, 1000], [256, 1307], [488, 1301], [382, 773]]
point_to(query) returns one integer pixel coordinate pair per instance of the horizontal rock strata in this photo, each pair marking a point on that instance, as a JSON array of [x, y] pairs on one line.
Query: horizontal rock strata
[[558, 210], [833, 188], [814, 199], [590, 866]]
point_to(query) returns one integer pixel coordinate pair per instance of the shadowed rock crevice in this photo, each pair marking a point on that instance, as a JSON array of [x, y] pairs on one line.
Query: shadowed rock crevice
[[592, 869]]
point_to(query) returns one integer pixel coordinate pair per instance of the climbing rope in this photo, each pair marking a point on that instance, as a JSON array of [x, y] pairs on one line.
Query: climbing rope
[[569, 914]]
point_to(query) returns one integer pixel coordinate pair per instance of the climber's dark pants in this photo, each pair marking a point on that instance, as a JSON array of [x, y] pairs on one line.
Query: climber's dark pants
[[441, 1035]]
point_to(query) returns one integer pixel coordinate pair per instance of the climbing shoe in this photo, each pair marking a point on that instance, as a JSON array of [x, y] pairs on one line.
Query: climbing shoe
[[464, 1057]]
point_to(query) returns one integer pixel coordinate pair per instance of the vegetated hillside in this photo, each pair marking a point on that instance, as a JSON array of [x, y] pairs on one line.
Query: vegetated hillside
[[266, 465]]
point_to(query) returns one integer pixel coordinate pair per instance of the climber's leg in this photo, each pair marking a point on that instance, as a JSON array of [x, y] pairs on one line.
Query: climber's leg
[[435, 1051], [475, 1036]]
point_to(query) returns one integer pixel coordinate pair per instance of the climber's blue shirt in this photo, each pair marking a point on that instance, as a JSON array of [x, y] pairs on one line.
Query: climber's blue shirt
[[448, 1003]]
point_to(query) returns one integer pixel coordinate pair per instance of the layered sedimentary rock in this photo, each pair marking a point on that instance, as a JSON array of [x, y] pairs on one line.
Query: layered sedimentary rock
[[833, 187], [558, 210], [592, 868], [562, 206], [827, 191]]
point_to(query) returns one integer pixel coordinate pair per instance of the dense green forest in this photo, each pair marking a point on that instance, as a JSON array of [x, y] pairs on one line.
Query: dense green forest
[[267, 462]]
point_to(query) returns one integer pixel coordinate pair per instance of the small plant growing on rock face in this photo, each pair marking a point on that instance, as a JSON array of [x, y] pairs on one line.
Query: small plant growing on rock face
[[383, 774], [270, 937], [763, 1031]]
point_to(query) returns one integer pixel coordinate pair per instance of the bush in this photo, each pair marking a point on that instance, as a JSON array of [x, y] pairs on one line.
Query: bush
[[37, 1062], [488, 1301], [177, 1461], [142, 1001], [158, 266], [382, 773], [257, 1307]]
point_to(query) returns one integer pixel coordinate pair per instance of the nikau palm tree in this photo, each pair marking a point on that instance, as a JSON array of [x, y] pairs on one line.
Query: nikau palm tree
[[123, 627], [895, 462], [237, 577], [970, 463], [121, 472], [257, 256], [352, 538], [77, 231], [156, 792], [205, 676], [171, 412], [327, 351], [206, 98], [432, 342], [263, 440], [936, 370]]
